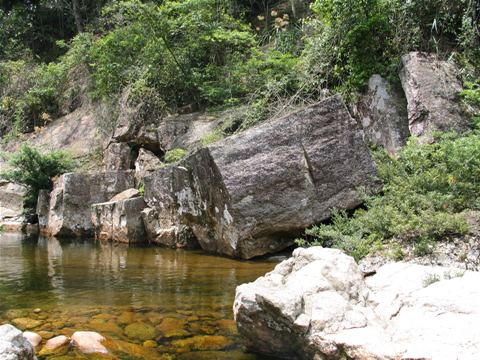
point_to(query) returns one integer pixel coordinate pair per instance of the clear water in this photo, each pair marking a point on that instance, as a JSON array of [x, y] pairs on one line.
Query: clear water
[[67, 285]]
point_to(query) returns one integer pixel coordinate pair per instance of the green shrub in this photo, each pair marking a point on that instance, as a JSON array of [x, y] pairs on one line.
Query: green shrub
[[175, 155], [426, 189], [35, 171]]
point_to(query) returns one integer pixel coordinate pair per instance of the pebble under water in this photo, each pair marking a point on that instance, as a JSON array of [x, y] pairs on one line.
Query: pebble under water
[[149, 302]]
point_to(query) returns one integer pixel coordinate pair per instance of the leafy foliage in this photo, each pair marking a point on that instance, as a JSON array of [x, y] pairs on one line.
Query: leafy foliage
[[35, 171], [425, 191], [174, 155]]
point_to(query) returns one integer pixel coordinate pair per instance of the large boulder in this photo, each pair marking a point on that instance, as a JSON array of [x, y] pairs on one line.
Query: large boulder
[[69, 209], [146, 163], [137, 121], [383, 115], [161, 218], [253, 193], [117, 156], [13, 345], [432, 90], [317, 305], [120, 220], [11, 199]]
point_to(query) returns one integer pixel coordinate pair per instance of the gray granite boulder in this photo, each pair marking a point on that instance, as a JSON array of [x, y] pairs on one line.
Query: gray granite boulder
[[11, 199], [161, 218], [318, 305], [119, 220], [137, 121], [13, 345], [432, 90], [69, 207], [253, 193], [383, 115], [117, 156]]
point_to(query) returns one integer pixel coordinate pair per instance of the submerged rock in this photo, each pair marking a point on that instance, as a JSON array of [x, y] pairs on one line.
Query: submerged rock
[[56, 346], [141, 331], [253, 193], [13, 345], [317, 305], [89, 342]]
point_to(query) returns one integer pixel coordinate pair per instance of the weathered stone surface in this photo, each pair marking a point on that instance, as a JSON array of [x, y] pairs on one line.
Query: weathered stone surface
[[317, 305], [161, 218], [56, 346], [431, 88], [125, 195], [43, 205], [383, 115], [146, 163], [252, 193], [13, 345], [33, 338], [184, 131], [136, 122], [71, 199], [119, 220], [89, 342], [117, 156], [11, 199]]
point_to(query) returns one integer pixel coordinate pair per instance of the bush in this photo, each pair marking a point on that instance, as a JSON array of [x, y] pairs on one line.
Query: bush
[[174, 155], [426, 190], [35, 171]]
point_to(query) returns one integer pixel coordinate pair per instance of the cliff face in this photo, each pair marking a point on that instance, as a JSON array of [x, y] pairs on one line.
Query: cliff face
[[254, 192]]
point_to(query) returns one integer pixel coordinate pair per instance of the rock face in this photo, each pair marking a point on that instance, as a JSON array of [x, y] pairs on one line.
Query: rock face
[[384, 117], [117, 156], [146, 163], [161, 218], [252, 193], [69, 212], [184, 131], [431, 88], [119, 220], [11, 199], [317, 305], [13, 345], [136, 121]]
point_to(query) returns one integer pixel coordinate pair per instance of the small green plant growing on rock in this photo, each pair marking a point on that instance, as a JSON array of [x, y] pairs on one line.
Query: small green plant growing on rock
[[174, 155], [35, 171], [429, 279], [212, 137]]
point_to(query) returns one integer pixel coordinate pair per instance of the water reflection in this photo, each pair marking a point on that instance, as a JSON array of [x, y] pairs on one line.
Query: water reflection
[[54, 272]]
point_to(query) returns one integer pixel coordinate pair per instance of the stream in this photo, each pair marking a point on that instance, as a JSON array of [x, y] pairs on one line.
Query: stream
[[149, 302]]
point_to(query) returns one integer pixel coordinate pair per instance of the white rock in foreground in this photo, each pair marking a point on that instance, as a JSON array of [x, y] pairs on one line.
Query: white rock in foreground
[[317, 305], [13, 345], [89, 342]]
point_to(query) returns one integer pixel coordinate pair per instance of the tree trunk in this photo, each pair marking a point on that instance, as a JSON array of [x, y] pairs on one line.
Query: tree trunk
[[77, 15]]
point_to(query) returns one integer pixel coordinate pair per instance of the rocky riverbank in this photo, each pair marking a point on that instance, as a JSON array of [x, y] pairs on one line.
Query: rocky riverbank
[[318, 304]]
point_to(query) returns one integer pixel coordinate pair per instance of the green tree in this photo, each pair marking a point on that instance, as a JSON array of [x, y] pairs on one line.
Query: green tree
[[35, 171]]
